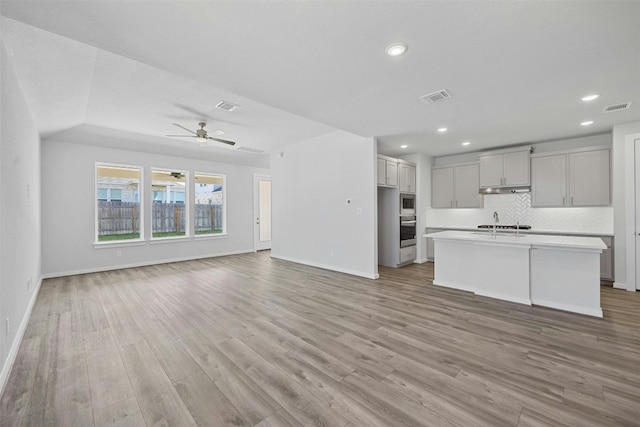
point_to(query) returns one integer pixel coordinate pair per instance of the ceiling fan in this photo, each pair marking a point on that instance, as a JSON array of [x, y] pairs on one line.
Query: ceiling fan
[[202, 136]]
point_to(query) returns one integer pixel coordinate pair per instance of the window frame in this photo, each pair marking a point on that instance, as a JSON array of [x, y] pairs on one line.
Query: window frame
[[224, 206], [141, 226], [187, 213]]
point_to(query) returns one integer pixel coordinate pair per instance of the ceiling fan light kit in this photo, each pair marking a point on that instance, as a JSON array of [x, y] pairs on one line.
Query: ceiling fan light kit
[[202, 136]]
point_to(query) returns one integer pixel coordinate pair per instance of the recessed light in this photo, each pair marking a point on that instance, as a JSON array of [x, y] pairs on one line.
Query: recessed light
[[396, 49], [404, 146], [587, 123], [442, 130], [590, 97], [466, 143]]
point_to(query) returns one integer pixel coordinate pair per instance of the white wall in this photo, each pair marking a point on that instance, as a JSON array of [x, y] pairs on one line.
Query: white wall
[[623, 184], [68, 202], [19, 212], [312, 222]]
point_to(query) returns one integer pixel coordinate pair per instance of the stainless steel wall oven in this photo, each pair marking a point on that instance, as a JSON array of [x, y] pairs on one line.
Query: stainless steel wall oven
[[407, 230]]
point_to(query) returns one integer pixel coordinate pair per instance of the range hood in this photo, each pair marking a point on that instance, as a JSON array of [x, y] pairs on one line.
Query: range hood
[[504, 190]]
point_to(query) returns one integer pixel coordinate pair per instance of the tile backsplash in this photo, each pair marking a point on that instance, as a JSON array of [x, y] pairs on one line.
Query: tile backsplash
[[517, 207]]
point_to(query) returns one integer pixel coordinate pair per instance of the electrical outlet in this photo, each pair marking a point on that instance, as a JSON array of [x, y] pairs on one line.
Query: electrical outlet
[[118, 252], [7, 326]]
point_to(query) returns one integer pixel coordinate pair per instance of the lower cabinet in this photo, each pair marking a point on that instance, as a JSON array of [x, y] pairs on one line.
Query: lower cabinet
[[606, 260], [407, 254]]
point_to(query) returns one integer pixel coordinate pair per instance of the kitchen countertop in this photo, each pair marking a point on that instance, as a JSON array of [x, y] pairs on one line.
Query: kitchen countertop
[[531, 231], [531, 240]]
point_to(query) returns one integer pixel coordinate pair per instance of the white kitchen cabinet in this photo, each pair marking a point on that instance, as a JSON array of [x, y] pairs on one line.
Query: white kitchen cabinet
[[505, 169], [387, 172], [606, 260], [466, 185], [455, 187], [549, 181], [442, 188], [407, 254], [406, 178], [571, 179], [589, 178]]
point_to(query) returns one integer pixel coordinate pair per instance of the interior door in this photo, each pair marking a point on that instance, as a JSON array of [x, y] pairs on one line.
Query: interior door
[[637, 215], [262, 212]]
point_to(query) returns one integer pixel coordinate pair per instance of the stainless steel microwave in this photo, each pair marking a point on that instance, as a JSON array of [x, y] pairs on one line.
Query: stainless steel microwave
[[407, 204]]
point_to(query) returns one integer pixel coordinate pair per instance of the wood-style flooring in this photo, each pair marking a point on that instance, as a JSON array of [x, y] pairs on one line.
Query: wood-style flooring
[[252, 341]]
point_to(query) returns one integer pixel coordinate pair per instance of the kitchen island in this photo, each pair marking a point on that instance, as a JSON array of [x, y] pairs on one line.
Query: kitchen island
[[561, 272]]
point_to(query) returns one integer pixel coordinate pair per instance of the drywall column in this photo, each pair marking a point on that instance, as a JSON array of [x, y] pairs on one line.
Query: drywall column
[[20, 265], [623, 170], [324, 203]]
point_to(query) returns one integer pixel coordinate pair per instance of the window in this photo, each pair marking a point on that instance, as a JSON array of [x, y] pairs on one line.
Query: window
[[209, 195], [117, 202], [168, 210]]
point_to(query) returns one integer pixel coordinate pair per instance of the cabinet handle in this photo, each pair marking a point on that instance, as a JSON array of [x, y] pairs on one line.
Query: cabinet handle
[[456, 203], [571, 200], [562, 200]]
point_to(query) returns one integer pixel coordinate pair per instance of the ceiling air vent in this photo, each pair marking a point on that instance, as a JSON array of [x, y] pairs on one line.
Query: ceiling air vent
[[227, 106], [440, 95], [250, 150], [617, 107]]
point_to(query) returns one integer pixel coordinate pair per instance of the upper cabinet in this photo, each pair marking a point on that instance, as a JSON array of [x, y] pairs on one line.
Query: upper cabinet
[[455, 187], [505, 169], [387, 171], [579, 178], [406, 178]]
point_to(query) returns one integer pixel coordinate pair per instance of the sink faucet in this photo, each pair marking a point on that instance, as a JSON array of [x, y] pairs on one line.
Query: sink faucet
[[495, 223]]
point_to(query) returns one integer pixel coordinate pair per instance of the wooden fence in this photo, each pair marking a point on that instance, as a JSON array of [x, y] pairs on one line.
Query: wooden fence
[[118, 218], [124, 218]]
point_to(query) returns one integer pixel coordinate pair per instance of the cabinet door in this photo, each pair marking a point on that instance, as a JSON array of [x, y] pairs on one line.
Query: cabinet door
[[516, 168], [442, 188], [382, 172], [403, 178], [491, 171], [549, 181], [411, 179], [606, 260], [407, 254], [392, 173], [406, 178], [589, 178], [466, 185]]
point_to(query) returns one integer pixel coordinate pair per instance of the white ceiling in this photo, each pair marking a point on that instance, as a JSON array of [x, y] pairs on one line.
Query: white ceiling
[[298, 69]]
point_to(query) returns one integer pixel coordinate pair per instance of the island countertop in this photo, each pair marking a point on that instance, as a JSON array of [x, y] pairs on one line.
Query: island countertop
[[530, 240]]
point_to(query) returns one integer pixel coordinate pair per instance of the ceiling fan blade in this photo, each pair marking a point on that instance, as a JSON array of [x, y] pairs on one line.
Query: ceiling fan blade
[[224, 141], [182, 127], [183, 136]]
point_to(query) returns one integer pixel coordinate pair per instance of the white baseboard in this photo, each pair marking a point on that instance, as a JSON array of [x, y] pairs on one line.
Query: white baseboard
[[420, 261], [327, 267], [504, 297], [141, 264], [596, 312], [15, 346], [451, 285], [618, 285]]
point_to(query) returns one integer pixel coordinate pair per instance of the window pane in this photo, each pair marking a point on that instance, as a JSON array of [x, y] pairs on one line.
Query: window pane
[[118, 219], [168, 218], [209, 204]]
